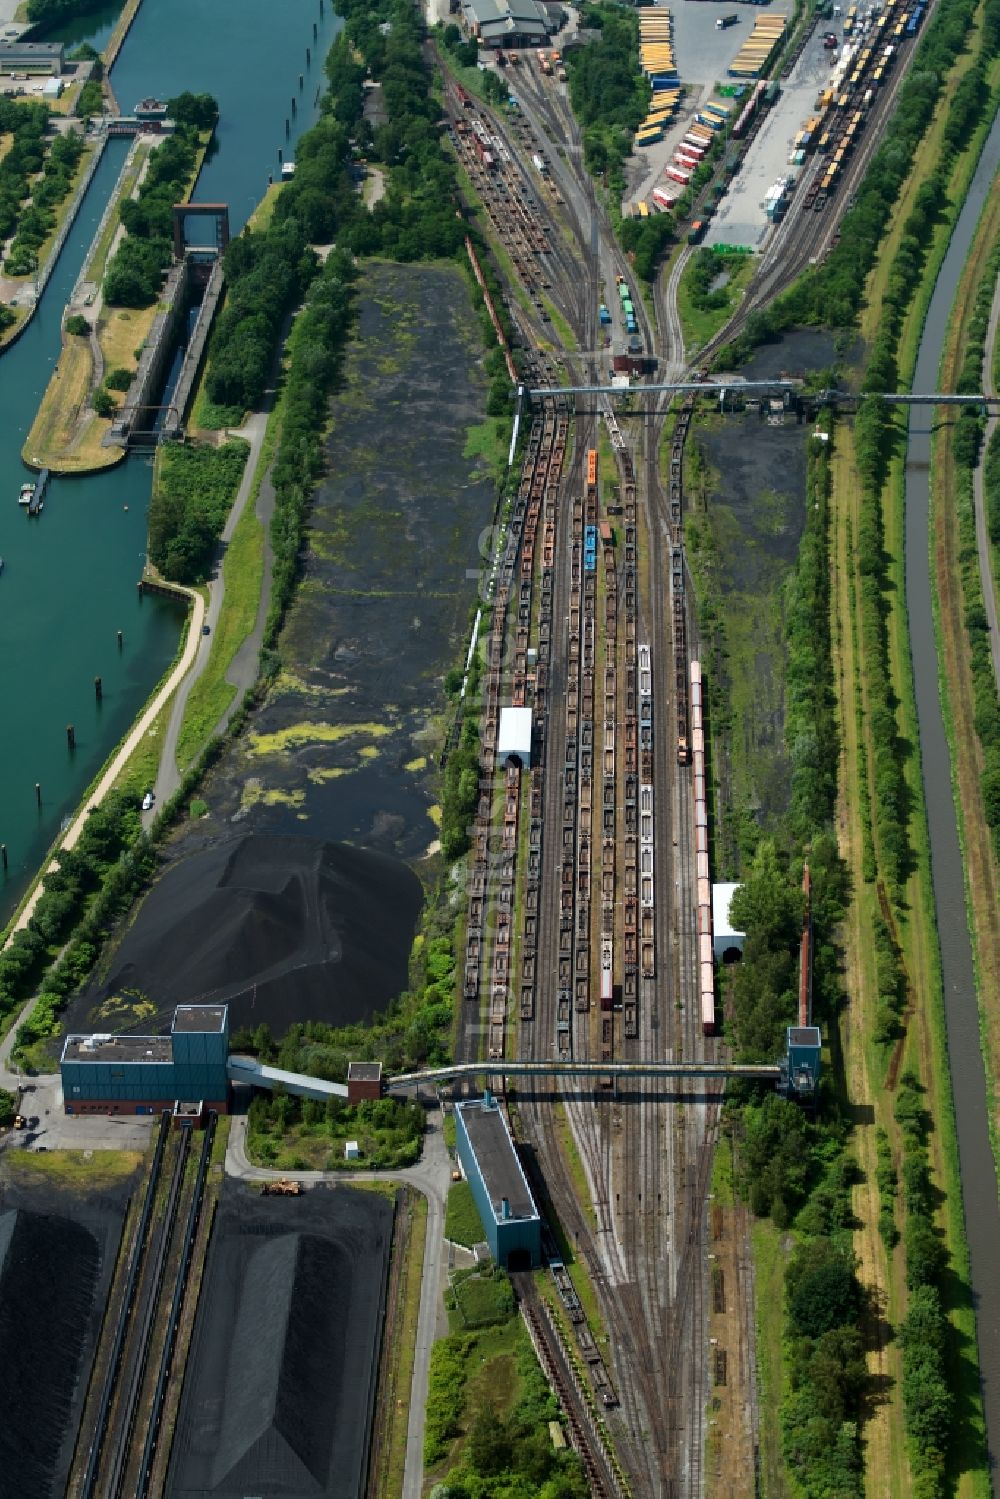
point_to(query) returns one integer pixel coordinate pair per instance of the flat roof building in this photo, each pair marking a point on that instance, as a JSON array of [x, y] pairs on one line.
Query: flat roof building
[[727, 942], [106, 1074], [511, 1223], [514, 738], [32, 57]]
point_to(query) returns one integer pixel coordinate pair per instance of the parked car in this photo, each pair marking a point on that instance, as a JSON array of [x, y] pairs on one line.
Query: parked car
[[147, 802]]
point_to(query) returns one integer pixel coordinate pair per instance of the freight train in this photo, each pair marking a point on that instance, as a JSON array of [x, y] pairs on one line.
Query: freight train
[[706, 962]]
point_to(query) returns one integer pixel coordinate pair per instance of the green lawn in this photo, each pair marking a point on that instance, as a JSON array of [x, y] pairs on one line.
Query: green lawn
[[93, 1169], [462, 1224], [211, 695]]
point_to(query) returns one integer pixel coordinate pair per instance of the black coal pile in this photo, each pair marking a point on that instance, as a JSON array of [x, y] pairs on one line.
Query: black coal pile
[[49, 1271], [282, 928], [279, 1387]]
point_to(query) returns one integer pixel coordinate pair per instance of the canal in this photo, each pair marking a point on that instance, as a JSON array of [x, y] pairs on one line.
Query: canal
[[979, 1185], [68, 584]]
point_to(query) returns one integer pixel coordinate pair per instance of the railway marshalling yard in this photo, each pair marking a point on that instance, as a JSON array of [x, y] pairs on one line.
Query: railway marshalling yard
[[589, 865]]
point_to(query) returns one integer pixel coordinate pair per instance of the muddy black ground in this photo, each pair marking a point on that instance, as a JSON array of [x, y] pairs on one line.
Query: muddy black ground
[[57, 1254], [280, 1380], [343, 750], [756, 514]]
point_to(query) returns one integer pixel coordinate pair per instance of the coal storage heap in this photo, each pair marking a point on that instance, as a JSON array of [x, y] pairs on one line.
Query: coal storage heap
[[280, 1381], [283, 928], [49, 1269], [277, 1363]]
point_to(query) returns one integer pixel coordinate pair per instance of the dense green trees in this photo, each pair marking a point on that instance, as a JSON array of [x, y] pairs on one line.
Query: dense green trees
[[91, 100], [55, 12], [928, 1402], [135, 271], [25, 157], [608, 92], [100, 875], [194, 491], [199, 111]]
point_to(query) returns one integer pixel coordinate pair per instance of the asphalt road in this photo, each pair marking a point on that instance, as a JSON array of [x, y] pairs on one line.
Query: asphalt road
[[431, 1176]]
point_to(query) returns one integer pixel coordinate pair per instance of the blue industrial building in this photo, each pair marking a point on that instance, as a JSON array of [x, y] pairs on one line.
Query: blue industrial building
[[185, 1072], [500, 1188], [800, 1069]]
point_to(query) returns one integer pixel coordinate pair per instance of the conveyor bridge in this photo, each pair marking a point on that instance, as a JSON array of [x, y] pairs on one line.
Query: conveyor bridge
[[742, 387], [617, 1071], [256, 1075]]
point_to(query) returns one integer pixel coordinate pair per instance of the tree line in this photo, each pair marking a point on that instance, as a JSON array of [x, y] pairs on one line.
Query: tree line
[[967, 452]]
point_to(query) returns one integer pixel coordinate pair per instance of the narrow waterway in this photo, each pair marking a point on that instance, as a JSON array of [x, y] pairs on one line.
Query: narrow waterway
[[68, 584], [979, 1185]]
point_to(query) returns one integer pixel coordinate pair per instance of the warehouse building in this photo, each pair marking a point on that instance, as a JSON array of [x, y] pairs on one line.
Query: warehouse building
[[32, 57], [510, 1220], [511, 23], [184, 1072]]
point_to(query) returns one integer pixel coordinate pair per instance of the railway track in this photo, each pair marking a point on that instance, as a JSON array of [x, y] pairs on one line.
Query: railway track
[[607, 830], [128, 1408]]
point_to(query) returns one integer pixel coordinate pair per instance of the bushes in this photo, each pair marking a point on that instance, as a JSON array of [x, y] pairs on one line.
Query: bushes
[[389, 1132], [91, 100], [194, 492], [78, 325]]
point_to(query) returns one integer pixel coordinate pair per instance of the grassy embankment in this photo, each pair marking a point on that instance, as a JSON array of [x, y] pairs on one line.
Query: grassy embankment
[[873, 1067], [243, 576], [461, 1223], [95, 1170], [400, 1354], [959, 592]]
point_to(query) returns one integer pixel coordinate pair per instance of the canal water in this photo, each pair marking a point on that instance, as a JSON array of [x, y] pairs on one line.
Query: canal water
[[979, 1184], [69, 578]]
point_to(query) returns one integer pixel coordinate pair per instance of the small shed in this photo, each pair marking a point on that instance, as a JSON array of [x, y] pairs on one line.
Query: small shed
[[727, 942], [514, 739], [352, 1151]]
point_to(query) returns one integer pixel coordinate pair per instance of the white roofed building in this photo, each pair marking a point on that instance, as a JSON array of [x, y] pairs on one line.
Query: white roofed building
[[514, 738], [727, 942]]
